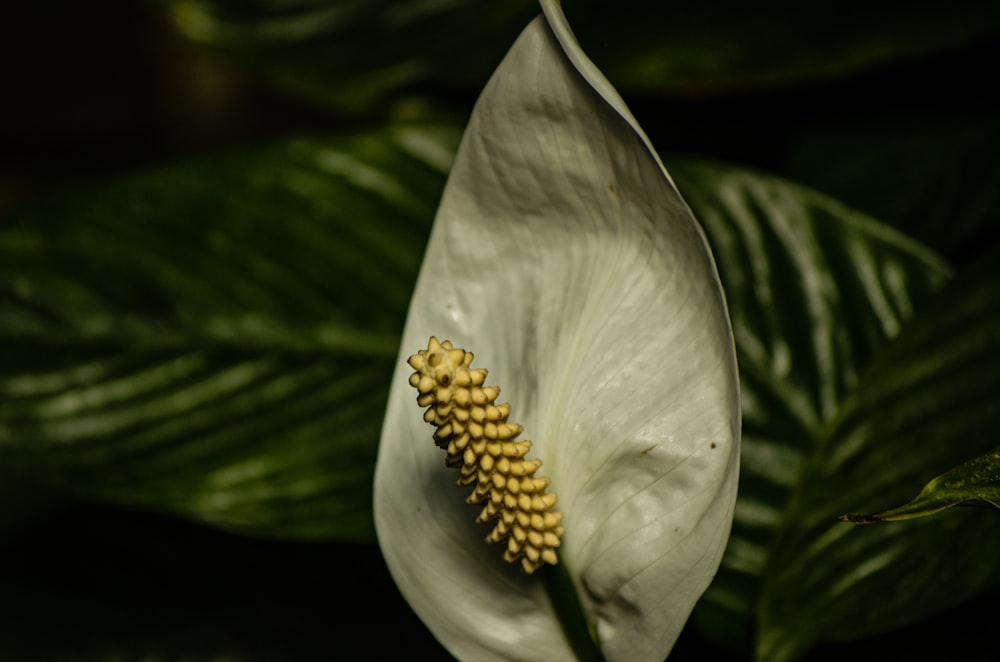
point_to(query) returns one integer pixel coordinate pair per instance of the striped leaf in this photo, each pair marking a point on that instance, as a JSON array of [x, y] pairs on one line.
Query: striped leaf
[[815, 289], [930, 400], [214, 339]]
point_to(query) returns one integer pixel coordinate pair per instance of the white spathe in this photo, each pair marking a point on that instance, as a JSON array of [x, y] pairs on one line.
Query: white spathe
[[565, 259]]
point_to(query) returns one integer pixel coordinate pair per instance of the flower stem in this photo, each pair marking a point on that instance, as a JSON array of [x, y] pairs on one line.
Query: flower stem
[[569, 610]]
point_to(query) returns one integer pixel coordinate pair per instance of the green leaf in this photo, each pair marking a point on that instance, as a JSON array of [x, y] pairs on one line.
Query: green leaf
[[974, 482], [929, 400], [354, 55], [815, 289], [935, 178], [725, 46], [351, 55], [215, 339]]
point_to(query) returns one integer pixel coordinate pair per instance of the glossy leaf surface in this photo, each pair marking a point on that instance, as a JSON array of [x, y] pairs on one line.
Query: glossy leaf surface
[[214, 339], [815, 290], [928, 401], [973, 483]]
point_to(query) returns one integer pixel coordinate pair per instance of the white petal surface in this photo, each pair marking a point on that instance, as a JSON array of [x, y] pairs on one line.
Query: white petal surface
[[565, 259]]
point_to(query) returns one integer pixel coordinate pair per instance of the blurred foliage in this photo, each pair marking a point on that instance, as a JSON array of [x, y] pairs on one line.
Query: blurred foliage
[[352, 55], [815, 289], [934, 176], [928, 401], [215, 339], [178, 340]]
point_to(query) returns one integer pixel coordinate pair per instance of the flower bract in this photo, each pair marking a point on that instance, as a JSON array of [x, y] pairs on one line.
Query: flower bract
[[564, 257]]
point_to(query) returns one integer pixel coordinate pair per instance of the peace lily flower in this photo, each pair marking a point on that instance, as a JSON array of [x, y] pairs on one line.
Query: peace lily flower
[[563, 256]]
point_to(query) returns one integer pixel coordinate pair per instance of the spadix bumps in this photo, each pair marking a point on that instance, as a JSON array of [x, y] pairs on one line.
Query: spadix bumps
[[479, 439]]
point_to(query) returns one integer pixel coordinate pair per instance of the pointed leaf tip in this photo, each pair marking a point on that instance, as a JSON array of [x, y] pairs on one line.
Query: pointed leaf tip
[[973, 483]]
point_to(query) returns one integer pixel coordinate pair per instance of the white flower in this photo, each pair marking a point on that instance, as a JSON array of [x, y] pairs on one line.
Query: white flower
[[564, 258]]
